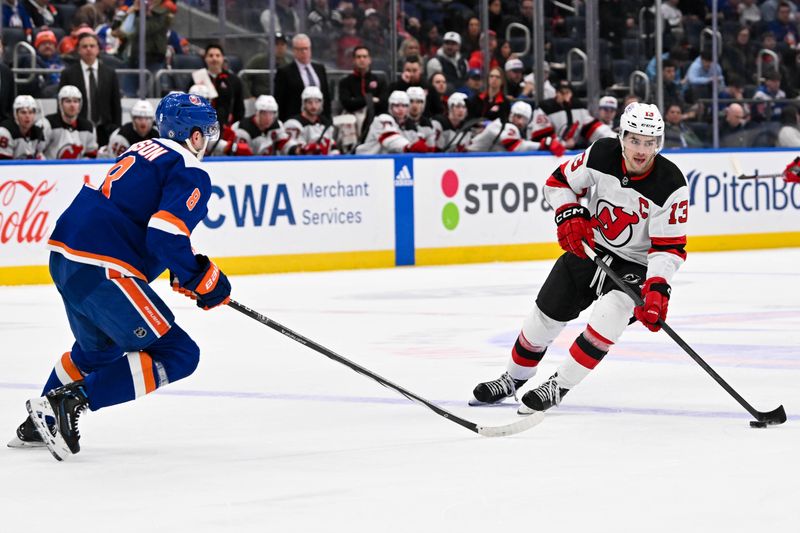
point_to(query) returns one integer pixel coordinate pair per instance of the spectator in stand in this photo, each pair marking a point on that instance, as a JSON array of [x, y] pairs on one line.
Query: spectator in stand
[[515, 86], [263, 132], [320, 26], [790, 73], [492, 103], [418, 126], [524, 16], [607, 110], [99, 88], [69, 43], [449, 61], [503, 53], [287, 21], [257, 84], [734, 131], [296, 76], [471, 37], [16, 16], [438, 88], [140, 128], [678, 54], [47, 57], [372, 31], [701, 74], [473, 85], [673, 90], [616, 18], [158, 19], [768, 91], [734, 90], [20, 137], [410, 77], [229, 102], [749, 13], [360, 91], [109, 33], [408, 48], [784, 29], [348, 39], [768, 42], [496, 18], [530, 84], [476, 59], [451, 135], [789, 135], [430, 41], [769, 10], [676, 133], [385, 134], [313, 131], [739, 56], [67, 134], [673, 17], [43, 13]]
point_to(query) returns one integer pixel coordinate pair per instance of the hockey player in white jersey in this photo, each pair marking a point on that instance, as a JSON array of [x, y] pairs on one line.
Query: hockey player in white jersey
[[263, 132], [636, 222], [453, 134], [385, 135], [140, 128], [313, 131], [418, 126], [510, 136], [68, 135], [20, 137]]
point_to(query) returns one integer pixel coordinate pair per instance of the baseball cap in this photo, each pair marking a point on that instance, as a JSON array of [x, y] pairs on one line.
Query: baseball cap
[[564, 85], [608, 102], [370, 11], [44, 36], [514, 64], [474, 73], [280, 37], [452, 37]]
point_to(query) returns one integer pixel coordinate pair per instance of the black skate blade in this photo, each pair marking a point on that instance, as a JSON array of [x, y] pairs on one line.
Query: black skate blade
[[774, 417]]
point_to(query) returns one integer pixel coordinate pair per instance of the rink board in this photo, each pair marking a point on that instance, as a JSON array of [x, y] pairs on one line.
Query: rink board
[[306, 213]]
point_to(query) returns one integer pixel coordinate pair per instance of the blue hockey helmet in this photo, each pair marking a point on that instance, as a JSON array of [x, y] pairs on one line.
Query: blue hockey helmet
[[179, 114]]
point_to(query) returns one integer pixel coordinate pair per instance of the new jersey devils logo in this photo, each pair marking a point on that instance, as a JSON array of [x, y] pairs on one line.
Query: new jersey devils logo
[[615, 225]]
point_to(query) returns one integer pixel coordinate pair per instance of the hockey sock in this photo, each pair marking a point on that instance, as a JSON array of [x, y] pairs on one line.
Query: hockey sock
[[587, 351], [525, 357], [64, 372]]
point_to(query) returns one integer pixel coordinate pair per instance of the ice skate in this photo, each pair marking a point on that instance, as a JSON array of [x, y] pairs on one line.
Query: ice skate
[[542, 397], [64, 406], [496, 391], [27, 436]]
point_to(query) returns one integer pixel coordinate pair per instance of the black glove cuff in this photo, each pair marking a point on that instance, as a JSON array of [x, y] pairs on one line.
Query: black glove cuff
[[571, 211], [662, 288]]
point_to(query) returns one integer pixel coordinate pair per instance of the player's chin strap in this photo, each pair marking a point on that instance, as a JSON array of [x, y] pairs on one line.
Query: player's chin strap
[[774, 417], [487, 431], [198, 153]]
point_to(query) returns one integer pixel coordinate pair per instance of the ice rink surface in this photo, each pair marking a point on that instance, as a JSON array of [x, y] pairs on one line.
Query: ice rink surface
[[270, 436]]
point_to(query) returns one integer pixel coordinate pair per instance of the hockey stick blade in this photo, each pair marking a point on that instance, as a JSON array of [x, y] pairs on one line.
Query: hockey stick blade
[[486, 431], [757, 176], [775, 417]]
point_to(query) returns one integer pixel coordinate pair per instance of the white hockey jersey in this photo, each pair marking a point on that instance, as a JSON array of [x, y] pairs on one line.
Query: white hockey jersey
[[450, 138], [384, 137], [423, 129], [638, 218], [275, 140], [501, 137], [320, 134], [68, 141], [122, 139], [14, 145]]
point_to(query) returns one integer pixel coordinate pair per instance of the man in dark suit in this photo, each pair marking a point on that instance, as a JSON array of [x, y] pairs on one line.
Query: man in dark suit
[[99, 86], [296, 76]]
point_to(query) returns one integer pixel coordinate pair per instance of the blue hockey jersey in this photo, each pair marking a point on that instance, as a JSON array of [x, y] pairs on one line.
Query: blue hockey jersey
[[140, 219]]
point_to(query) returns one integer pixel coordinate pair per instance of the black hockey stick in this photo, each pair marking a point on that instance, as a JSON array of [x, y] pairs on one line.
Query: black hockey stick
[[486, 431], [774, 417]]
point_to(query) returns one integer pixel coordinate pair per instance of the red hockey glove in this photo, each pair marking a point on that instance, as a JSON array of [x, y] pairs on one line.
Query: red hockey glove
[[792, 172], [210, 287], [227, 133], [552, 144], [655, 293], [238, 148], [311, 149], [419, 147], [574, 226]]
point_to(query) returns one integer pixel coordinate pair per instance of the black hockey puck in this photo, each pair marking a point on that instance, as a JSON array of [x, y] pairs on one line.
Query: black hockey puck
[[757, 424]]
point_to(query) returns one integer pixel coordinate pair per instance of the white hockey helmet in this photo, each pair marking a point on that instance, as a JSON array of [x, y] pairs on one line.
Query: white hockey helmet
[[200, 90], [266, 102], [399, 97], [69, 91], [311, 92], [522, 109], [643, 119], [416, 94], [457, 99], [143, 109], [24, 101]]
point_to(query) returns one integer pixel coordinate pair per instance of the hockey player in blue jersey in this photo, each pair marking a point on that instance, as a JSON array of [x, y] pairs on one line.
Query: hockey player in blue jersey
[[106, 248]]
